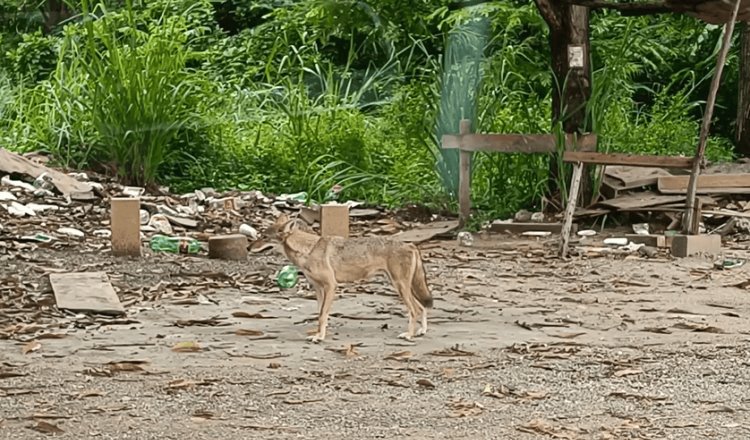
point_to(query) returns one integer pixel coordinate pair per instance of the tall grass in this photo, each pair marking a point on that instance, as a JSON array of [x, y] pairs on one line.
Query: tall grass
[[139, 94]]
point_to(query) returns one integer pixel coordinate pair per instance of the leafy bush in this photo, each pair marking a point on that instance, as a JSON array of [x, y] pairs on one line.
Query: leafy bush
[[34, 58]]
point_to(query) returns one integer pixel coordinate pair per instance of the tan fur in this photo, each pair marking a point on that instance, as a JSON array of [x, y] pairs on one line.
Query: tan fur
[[328, 261]]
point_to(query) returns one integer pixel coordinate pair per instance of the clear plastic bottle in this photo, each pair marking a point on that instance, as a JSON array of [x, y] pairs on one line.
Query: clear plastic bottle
[[175, 245]]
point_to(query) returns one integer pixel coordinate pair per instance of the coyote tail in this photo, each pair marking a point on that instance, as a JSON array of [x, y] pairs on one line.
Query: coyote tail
[[419, 281]]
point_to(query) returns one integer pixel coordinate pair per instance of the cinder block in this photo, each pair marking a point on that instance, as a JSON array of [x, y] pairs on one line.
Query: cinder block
[[659, 241], [228, 247], [334, 220], [686, 245], [125, 223]]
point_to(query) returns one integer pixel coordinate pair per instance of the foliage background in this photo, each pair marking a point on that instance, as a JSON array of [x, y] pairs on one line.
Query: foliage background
[[285, 96]]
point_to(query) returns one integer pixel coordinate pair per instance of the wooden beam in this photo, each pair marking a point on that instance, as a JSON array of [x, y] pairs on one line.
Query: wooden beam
[[517, 143], [640, 8], [633, 160], [464, 178], [707, 183]]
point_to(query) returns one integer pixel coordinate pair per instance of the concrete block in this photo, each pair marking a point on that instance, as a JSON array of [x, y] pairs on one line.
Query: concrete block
[[334, 220], [228, 247], [658, 241], [125, 223], [687, 245]]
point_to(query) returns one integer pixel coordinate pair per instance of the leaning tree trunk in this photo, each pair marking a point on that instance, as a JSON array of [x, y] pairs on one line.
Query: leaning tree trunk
[[743, 102], [569, 33]]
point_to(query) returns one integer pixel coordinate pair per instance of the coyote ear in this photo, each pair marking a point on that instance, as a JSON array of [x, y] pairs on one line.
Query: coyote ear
[[290, 226]]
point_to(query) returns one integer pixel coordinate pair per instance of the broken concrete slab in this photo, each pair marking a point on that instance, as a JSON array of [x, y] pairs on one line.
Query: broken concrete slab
[[11, 163], [687, 245], [228, 247], [85, 292]]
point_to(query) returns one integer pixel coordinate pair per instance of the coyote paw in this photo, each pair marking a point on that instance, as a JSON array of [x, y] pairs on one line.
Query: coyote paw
[[406, 336], [315, 338], [421, 332]]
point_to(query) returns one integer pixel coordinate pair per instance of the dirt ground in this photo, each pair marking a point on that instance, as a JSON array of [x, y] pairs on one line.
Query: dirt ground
[[520, 345]]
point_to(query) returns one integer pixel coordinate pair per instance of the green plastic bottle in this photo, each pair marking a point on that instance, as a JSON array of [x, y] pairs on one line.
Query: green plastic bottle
[[175, 245], [287, 277]]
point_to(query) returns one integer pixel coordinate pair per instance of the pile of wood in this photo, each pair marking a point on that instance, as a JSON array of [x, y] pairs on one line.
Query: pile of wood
[[723, 191]]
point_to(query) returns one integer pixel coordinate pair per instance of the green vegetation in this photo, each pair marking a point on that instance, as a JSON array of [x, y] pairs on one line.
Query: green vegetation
[[284, 96]]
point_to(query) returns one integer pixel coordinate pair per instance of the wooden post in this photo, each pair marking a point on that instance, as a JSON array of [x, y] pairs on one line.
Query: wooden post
[[570, 208], [690, 224], [743, 100], [334, 220], [464, 178]]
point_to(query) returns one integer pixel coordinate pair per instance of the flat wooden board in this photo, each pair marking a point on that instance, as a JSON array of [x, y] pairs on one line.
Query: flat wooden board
[[707, 183], [634, 177], [650, 200], [516, 143], [519, 228], [640, 200], [85, 292], [631, 160], [11, 163], [427, 232]]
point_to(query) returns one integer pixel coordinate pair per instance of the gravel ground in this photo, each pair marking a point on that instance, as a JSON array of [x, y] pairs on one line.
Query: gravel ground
[[521, 345]]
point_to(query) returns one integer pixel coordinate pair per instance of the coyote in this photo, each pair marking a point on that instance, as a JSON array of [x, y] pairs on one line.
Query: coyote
[[327, 261]]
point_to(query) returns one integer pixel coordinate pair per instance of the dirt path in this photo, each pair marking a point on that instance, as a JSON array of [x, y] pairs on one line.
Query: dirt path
[[520, 345]]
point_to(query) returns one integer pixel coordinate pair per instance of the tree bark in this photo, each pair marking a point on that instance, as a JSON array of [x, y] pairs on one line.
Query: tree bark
[[569, 28], [54, 13], [743, 102]]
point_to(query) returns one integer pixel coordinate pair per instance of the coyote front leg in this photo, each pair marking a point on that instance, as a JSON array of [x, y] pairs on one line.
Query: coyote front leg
[[327, 291]]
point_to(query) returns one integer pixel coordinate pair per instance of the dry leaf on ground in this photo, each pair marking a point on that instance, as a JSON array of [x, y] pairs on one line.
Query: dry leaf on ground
[[399, 356], [349, 350], [248, 332], [454, 351], [249, 315], [187, 347], [31, 347], [627, 372], [464, 408], [46, 428]]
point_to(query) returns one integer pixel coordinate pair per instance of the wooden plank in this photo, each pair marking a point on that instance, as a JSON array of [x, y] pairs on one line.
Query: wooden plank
[[515, 143], [427, 232], [650, 200], [520, 228], [727, 183], [640, 200], [11, 163], [633, 160], [85, 292], [570, 209], [610, 188], [634, 177], [464, 178]]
